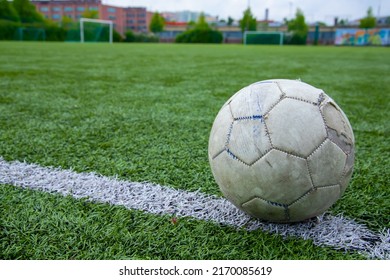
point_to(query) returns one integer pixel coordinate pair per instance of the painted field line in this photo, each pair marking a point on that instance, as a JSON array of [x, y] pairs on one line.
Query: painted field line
[[335, 231]]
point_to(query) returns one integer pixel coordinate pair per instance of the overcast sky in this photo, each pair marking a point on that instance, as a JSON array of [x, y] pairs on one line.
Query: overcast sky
[[314, 10]]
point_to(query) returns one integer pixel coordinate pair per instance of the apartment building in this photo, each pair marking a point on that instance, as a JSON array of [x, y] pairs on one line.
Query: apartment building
[[124, 18]]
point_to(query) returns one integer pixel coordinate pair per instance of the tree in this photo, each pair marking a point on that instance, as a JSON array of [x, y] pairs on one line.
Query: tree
[[343, 22], [67, 22], [230, 21], [7, 11], [129, 36], [248, 21], [299, 28], [369, 21], [202, 23], [157, 23], [201, 32], [90, 14], [27, 12]]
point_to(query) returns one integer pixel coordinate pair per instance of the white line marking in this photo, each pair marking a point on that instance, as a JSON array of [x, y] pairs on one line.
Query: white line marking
[[335, 231]]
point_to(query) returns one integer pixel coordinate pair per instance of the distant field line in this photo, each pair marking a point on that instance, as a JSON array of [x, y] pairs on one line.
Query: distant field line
[[335, 231]]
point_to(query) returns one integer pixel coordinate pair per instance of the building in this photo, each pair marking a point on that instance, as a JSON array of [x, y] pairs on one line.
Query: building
[[137, 19], [383, 21], [186, 16], [124, 18]]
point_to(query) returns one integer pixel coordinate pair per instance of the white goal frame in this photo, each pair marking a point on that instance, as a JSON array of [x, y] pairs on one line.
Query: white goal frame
[[264, 32], [109, 22]]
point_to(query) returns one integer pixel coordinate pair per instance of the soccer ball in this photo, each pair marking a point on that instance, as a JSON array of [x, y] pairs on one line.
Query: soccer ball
[[281, 150]]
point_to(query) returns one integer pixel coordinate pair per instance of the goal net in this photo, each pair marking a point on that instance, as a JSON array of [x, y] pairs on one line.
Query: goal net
[[263, 38], [30, 34], [96, 30]]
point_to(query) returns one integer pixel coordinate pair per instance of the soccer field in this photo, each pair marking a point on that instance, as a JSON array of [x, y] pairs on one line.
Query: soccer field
[[143, 113]]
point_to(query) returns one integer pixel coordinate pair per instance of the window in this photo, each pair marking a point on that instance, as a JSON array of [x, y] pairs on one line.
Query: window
[[93, 8], [44, 9], [111, 18], [55, 16], [111, 10], [68, 9], [80, 9]]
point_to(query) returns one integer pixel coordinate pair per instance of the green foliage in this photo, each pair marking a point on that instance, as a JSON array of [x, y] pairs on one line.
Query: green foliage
[[202, 23], [157, 23], [201, 32], [248, 21], [7, 11], [343, 22], [54, 32], [299, 29], [27, 12], [8, 29], [230, 21], [32, 22], [31, 26], [116, 36], [369, 21], [321, 24], [90, 14], [131, 37], [68, 23], [200, 36]]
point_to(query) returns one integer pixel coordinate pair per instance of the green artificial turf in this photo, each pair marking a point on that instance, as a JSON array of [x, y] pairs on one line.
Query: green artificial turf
[[38, 225], [144, 112]]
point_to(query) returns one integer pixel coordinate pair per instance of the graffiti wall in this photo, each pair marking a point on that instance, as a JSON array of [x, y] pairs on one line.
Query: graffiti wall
[[363, 37]]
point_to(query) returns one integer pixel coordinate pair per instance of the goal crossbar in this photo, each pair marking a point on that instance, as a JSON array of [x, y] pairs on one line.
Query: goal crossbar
[[82, 20]]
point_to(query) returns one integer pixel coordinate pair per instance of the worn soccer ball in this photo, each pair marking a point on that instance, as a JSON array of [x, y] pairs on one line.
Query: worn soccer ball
[[281, 150]]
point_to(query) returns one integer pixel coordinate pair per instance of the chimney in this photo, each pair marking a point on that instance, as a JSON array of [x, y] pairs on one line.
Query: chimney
[[266, 14]]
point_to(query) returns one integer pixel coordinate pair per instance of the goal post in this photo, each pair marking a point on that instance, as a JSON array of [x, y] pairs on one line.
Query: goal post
[[101, 21], [263, 38]]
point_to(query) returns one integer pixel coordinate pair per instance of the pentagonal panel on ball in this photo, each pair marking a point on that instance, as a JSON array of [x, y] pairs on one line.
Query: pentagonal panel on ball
[[255, 100], [265, 210], [236, 180], [300, 90], [327, 164], [282, 178], [314, 203], [249, 140], [296, 127]]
